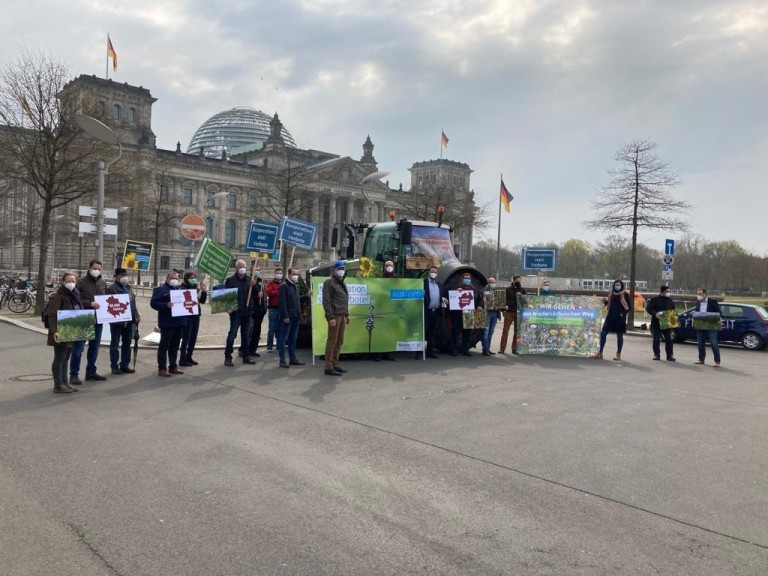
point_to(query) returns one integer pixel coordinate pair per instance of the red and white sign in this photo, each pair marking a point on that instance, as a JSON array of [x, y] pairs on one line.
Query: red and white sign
[[185, 302], [193, 227]]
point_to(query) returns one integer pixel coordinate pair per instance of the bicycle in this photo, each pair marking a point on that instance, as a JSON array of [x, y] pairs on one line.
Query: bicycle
[[21, 300]]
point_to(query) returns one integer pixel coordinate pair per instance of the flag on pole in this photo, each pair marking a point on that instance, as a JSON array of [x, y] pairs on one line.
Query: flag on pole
[[505, 196], [444, 140], [111, 54]]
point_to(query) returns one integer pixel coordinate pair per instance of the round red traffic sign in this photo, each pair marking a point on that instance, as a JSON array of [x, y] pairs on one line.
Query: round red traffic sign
[[193, 227]]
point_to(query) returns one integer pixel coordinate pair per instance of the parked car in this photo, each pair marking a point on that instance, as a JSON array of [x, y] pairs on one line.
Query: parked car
[[743, 324]]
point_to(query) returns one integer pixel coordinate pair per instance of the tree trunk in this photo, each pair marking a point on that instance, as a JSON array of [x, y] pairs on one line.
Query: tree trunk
[[45, 234]]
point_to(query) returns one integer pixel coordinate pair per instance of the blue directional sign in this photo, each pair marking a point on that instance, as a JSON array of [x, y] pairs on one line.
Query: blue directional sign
[[667, 267], [539, 258], [298, 233], [262, 237], [669, 247]]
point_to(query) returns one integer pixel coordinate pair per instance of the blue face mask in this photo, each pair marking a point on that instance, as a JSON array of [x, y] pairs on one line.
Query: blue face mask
[[192, 282], [467, 281], [492, 286], [617, 288]]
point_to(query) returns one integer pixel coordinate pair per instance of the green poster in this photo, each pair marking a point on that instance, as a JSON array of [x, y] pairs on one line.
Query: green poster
[[214, 259], [560, 325], [385, 315]]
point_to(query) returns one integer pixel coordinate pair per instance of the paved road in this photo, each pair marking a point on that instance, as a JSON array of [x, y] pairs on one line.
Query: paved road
[[507, 465]]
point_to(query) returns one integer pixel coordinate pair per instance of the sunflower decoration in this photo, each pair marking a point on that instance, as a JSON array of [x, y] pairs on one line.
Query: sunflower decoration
[[366, 267], [130, 262]]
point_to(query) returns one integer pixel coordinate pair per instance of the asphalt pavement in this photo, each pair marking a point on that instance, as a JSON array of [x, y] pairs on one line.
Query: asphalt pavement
[[511, 465]]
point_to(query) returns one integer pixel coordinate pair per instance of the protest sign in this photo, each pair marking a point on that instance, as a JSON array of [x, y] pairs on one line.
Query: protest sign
[[113, 308], [560, 325], [184, 302]]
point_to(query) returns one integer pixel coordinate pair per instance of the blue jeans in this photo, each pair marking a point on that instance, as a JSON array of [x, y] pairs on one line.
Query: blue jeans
[[242, 323], [93, 354], [120, 344], [619, 341], [189, 338], [274, 326], [701, 339], [288, 335], [493, 317]]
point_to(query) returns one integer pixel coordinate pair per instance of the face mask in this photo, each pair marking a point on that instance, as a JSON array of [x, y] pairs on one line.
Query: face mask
[[467, 281], [192, 282], [69, 286], [241, 271], [389, 269], [278, 276], [433, 275], [340, 273], [666, 294], [123, 280], [295, 278], [545, 288], [95, 273], [173, 283], [617, 288], [492, 286], [700, 297], [257, 274]]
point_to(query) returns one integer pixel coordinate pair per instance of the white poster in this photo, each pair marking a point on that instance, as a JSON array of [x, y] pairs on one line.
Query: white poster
[[184, 302], [461, 299], [113, 308]]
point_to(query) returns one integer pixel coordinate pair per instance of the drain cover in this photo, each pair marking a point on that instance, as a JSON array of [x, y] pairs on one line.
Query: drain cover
[[31, 378]]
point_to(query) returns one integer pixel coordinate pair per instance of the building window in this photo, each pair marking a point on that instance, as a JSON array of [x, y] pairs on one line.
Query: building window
[[253, 201], [232, 202], [164, 193], [187, 195], [165, 262], [117, 111], [132, 115], [229, 233], [210, 202]]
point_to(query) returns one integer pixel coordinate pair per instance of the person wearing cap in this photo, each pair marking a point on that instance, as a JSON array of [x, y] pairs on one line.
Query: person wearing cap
[[545, 289], [655, 307], [336, 308], [121, 333]]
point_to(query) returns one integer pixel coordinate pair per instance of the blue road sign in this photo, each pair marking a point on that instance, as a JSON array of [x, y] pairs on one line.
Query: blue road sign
[[298, 233], [262, 237], [667, 267], [669, 247], [539, 258], [668, 260]]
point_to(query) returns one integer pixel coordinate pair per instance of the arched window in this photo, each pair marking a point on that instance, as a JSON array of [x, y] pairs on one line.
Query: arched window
[[117, 111], [229, 233], [132, 115]]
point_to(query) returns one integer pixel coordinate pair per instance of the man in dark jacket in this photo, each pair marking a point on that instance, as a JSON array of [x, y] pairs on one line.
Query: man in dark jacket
[[259, 308], [460, 337], [121, 333], [514, 291], [171, 327], [289, 309], [336, 308], [710, 305], [240, 319], [90, 285], [433, 310], [655, 307]]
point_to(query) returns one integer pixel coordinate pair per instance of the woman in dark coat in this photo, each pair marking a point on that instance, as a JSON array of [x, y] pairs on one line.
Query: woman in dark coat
[[65, 298], [617, 303]]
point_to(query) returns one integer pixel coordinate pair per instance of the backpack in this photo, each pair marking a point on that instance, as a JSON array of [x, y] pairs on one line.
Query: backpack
[[44, 315]]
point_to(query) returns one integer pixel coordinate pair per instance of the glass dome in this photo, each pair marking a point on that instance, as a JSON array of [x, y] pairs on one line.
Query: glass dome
[[235, 131]]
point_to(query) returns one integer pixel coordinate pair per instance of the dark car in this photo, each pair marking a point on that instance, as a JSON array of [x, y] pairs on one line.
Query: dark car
[[742, 324]]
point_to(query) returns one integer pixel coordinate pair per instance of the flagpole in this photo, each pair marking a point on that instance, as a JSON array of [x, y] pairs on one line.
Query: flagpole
[[498, 233], [441, 143], [107, 51]]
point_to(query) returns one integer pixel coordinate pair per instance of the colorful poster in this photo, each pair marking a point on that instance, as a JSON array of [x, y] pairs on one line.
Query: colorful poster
[[498, 300], [668, 319], [185, 302], [137, 255], [223, 300], [113, 308], [477, 318], [385, 315], [461, 299], [707, 321], [75, 325], [560, 325]]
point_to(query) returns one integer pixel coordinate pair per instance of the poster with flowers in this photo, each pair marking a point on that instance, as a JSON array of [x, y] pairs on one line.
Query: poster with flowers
[[668, 319], [560, 325]]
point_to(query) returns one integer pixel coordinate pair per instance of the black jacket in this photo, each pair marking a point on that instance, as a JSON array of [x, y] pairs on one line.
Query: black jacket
[[288, 301], [658, 304], [512, 293], [242, 285], [427, 297]]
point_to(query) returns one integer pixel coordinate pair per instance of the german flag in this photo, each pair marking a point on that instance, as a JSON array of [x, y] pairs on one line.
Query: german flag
[[111, 54], [505, 197], [444, 140]]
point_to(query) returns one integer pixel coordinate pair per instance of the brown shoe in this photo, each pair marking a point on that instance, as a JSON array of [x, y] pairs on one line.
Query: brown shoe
[[62, 390], [617, 357], [70, 388], [164, 373], [599, 356], [175, 370]]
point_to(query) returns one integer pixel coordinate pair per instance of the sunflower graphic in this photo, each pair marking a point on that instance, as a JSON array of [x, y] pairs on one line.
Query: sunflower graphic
[[130, 262], [366, 267]]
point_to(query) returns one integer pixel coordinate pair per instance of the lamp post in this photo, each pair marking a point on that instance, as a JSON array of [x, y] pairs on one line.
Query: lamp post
[[53, 243], [13, 245], [103, 133], [372, 177], [120, 210]]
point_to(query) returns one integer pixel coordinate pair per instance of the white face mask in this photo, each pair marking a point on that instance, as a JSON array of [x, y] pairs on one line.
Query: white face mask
[[241, 271], [123, 280], [69, 286], [340, 273], [295, 278], [667, 294], [278, 276], [95, 273], [389, 269], [545, 288], [173, 283], [492, 286], [433, 275], [700, 297]]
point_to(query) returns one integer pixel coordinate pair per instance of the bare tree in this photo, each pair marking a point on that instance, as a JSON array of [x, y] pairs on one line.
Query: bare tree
[[423, 203], [639, 195], [285, 189], [39, 144]]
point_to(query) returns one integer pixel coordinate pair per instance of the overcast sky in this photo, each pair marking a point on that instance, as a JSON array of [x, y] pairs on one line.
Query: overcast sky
[[543, 91]]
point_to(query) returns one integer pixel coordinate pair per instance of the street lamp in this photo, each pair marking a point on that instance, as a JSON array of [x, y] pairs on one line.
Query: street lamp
[[120, 210], [13, 244], [53, 243], [104, 133]]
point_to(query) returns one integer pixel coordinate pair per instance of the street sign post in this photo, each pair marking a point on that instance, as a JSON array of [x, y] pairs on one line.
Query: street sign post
[[543, 259], [193, 227], [262, 237], [667, 274], [669, 247], [298, 233]]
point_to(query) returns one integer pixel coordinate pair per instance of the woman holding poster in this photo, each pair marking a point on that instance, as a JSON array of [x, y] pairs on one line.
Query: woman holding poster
[[65, 298], [617, 303]]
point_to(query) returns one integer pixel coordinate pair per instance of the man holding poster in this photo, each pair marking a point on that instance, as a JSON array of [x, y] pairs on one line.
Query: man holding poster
[[465, 297], [122, 332], [171, 327]]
